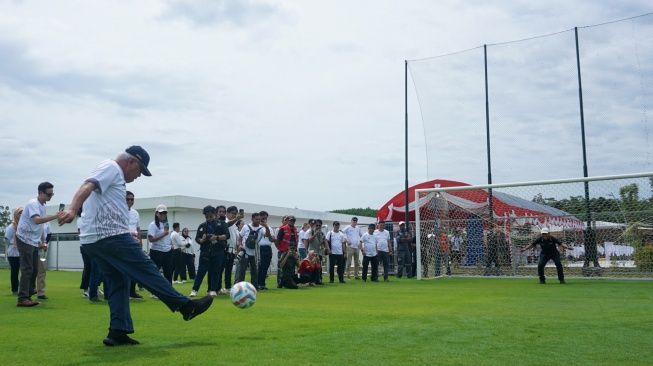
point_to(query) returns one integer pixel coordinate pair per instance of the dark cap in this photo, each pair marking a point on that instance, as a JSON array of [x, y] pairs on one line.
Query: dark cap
[[142, 156], [336, 223], [354, 218], [291, 218], [371, 226]]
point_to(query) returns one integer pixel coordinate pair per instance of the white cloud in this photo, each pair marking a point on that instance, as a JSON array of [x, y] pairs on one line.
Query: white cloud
[[289, 103]]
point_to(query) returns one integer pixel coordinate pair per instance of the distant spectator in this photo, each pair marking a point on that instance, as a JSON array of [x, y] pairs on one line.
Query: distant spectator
[[310, 269], [384, 247], [403, 251], [353, 233], [12, 253], [549, 245], [369, 247], [336, 249], [289, 263]]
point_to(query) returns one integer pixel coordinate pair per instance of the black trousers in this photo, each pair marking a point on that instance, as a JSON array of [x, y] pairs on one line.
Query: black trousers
[[228, 269], [339, 260], [384, 258], [544, 258], [375, 267], [179, 259], [163, 260]]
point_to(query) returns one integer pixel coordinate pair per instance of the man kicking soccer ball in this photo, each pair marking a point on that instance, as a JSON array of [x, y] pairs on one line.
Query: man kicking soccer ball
[[105, 235]]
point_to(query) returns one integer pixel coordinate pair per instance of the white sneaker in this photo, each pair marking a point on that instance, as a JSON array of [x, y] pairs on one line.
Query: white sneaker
[[153, 296], [176, 282], [213, 294], [222, 291], [85, 294], [193, 293], [100, 292]]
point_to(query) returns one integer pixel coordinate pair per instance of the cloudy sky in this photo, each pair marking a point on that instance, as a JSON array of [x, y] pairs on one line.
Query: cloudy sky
[[286, 103]]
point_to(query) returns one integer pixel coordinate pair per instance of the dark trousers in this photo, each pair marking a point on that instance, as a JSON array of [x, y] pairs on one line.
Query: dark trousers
[[375, 267], [121, 259], [265, 258], [228, 267], [212, 265], [29, 266], [404, 262], [544, 258], [163, 260], [310, 277], [384, 258], [291, 282], [86, 272], [180, 265], [339, 260], [279, 254], [190, 265], [14, 263], [242, 269]]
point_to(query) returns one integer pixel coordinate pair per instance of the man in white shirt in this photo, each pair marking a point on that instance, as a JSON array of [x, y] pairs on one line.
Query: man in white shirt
[[135, 230], [353, 233], [369, 247], [336, 249], [179, 258], [385, 248], [29, 239], [105, 234], [246, 253]]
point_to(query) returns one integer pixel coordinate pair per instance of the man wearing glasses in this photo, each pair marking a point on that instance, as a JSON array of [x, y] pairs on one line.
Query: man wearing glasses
[[29, 239], [105, 234]]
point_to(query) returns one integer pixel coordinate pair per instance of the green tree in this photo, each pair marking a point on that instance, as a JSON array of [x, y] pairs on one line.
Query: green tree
[[5, 219], [369, 212]]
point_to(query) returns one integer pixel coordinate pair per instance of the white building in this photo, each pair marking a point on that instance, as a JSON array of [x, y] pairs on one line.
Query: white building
[[187, 211]]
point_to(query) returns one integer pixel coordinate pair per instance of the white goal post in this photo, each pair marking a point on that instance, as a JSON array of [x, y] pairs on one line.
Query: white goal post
[[607, 220]]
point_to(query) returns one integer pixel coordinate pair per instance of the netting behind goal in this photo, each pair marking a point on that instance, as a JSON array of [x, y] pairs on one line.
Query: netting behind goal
[[478, 230]]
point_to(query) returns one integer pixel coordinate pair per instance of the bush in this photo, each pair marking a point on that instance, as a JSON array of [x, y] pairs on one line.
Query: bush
[[644, 258]]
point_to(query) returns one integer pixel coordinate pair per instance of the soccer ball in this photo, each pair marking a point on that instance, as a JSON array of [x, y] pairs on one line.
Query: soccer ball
[[243, 295]]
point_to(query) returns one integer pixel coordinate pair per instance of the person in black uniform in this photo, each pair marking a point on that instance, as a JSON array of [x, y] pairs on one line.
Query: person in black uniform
[[548, 244]]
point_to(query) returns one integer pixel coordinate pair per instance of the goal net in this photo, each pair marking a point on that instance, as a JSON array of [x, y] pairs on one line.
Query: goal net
[[479, 230]]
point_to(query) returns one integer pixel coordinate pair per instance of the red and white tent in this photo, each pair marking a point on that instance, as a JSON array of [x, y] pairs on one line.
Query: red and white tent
[[504, 206]]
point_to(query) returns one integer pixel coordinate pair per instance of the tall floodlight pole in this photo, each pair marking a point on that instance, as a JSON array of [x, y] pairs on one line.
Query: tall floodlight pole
[[406, 142], [590, 245], [487, 134]]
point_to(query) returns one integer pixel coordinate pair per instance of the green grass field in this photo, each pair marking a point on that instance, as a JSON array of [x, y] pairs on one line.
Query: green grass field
[[470, 321]]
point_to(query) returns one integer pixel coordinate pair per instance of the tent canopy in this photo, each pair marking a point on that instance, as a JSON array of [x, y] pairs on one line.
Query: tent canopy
[[504, 206]]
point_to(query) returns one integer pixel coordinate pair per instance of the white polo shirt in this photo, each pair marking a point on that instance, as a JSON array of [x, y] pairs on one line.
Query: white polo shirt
[[28, 231], [383, 237]]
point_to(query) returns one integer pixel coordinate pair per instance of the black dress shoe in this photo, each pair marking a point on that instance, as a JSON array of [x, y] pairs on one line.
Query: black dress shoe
[[95, 299], [117, 338], [43, 297], [194, 308]]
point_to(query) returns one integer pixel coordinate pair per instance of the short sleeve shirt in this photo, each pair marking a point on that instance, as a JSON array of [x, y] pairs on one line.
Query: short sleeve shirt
[[383, 237], [245, 232], [105, 211], [134, 220], [163, 244], [28, 231], [336, 240], [369, 244], [549, 247], [353, 235]]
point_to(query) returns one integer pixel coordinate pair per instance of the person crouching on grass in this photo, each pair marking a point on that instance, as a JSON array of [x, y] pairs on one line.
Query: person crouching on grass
[[549, 246], [310, 269], [289, 262], [107, 239]]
